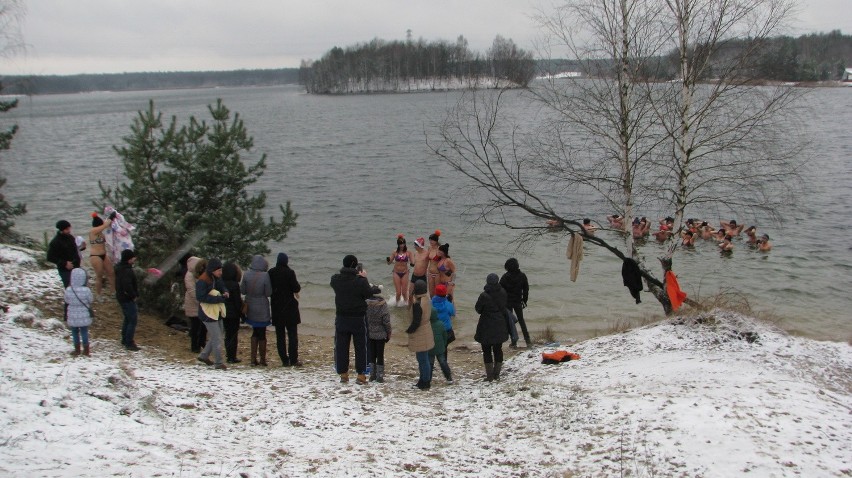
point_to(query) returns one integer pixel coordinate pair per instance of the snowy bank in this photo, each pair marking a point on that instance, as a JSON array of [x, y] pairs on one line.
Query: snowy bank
[[719, 395]]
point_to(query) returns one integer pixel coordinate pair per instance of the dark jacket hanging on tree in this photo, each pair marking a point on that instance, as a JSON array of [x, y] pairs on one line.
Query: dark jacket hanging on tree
[[632, 277]]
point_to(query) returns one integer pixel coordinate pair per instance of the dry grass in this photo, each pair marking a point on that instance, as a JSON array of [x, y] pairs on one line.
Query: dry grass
[[546, 336]]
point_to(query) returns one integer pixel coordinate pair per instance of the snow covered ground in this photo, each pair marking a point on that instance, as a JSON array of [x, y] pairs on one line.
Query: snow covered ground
[[716, 396]]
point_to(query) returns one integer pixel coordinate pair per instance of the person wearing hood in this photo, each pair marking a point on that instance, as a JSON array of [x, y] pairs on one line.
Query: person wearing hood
[[378, 334], [197, 332], [351, 291], [517, 288], [285, 310], [63, 251], [211, 294], [491, 330], [231, 276], [257, 287], [79, 298], [126, 292]]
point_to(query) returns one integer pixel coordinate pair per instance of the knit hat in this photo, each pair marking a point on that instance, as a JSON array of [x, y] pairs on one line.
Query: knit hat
[[62, 225], [492, 279], [213, 265], [441, 290], [283, 260], [127, 254], [420, 242], [350, 261], [420, 287], [435, 236], [96, 220]]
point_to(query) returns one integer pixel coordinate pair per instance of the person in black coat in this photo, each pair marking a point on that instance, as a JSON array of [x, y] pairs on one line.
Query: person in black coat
[[491, 330], [63, 251], [231, 277], [517, 289], [351, 291], [285, 310], [126, 292]]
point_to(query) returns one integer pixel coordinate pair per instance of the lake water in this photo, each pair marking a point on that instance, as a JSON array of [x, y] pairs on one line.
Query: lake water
[[358, 172]]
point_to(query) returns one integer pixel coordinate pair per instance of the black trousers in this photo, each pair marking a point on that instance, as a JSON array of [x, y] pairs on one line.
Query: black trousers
[[283, 333], [376, 351], [232, 330], [197, 334], [519, 311], [346, 330], [492, 353]]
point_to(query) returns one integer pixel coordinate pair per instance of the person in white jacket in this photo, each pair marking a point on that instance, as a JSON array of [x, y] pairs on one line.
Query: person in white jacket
[[79, 298]]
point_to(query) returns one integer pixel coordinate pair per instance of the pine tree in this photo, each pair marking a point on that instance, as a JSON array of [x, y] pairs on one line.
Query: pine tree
[[191, 181], [8, 211]]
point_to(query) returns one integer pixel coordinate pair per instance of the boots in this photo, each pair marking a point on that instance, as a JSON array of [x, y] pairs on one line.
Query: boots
[[361, 379], [489, 372], [76, 351], [373, 372], [254, 352], [86, 350], [344, 377], [380, 373], [497, 367], [262, 352]]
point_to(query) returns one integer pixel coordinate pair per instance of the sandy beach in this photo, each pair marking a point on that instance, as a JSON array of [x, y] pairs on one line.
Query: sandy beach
[[716, 394]]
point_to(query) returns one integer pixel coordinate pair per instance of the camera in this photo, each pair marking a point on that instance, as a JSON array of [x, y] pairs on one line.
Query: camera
[[359, 267]]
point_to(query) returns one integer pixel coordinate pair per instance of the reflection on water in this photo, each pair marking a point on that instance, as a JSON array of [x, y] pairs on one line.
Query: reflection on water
[[358, 172]]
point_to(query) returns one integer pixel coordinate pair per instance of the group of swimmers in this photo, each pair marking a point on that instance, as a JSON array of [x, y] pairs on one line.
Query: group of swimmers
[[693, 229], [432, 265]]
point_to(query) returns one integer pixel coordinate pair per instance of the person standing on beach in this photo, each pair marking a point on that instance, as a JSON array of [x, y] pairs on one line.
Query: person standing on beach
[[351, 291], [126, 292], [491, 330], [258, 288], [211, 294], [197, 333], [98, 256], [401, 259], [378, 334], [231, 276], [420, 336], [517, 288], [63, 251], [285, 310], [421, 264], [434, 258], [79, 298]]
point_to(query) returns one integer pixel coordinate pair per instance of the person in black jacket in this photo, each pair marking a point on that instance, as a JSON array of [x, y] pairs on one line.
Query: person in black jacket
[[285, 310], [517, 289], [351, 291], [231, 277], [491, 330], [126, 292], [63, 251]]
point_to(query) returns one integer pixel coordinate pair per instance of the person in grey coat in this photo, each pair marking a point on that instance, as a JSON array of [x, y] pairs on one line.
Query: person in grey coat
[[491, 330], [378, 334], [257, 287], [79, 298]]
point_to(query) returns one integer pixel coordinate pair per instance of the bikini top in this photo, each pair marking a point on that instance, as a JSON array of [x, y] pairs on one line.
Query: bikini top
[[401, 258], [99, 239]]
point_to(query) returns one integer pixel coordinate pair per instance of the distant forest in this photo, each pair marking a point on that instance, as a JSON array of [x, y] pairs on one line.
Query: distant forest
[[381, 65], [396, 65], [44, 85]]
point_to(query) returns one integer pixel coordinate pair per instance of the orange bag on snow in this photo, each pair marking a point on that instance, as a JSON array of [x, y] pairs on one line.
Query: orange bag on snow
[[558, 356]]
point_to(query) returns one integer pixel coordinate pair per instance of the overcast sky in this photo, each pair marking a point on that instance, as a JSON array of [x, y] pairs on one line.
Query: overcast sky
[[110, 36]]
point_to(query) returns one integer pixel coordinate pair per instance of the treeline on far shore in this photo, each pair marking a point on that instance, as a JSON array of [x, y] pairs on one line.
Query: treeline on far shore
[[84, 83]]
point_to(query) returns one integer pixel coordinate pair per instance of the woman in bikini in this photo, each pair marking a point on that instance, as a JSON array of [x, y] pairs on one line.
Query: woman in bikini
[[434, 244], [446, 270], [401, 259], [101, 262]]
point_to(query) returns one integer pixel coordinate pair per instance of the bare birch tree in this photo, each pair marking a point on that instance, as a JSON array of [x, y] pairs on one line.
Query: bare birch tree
[[623, 134]]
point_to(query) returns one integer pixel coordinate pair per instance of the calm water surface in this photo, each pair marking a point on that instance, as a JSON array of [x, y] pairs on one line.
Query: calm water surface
[[358, 172]]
